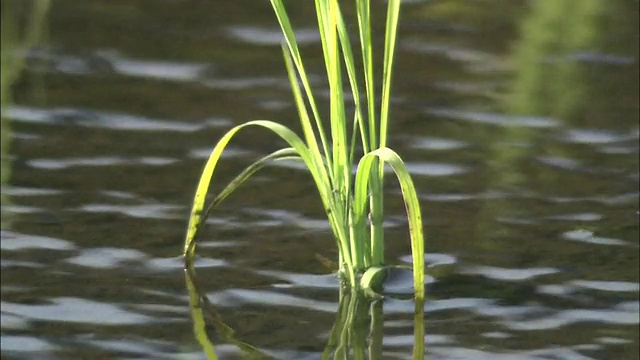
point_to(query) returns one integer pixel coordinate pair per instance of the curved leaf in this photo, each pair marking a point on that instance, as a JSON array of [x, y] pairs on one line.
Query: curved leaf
[[292, 46], [318, 172], [373, 279], [411, 202], [205, 179], [282, 154]]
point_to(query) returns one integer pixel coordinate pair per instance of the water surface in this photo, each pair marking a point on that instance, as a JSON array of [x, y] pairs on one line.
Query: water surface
[[518, 120]]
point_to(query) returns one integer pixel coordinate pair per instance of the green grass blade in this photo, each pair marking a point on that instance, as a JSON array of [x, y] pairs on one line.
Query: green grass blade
[[303, 114], [282, 154], [205, 179], [376, 211], [336, 214], [393, 11], [411, 202], [323, 28], [318, 172], [292, 45], [364, 30], [328, 14], [349, 60], [376, 185]]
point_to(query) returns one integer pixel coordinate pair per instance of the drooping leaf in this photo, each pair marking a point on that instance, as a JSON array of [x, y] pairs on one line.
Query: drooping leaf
[[283, 132], [282, 154], [411, 202]]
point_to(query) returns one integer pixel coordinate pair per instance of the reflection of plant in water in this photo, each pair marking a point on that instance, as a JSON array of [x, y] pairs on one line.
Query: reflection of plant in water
[[349, 337], [549, 81], [18, 35], [201, 310], [345, 196], [357, 332]]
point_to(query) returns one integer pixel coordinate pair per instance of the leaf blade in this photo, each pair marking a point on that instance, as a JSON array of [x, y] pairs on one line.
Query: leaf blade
[[412, 205]]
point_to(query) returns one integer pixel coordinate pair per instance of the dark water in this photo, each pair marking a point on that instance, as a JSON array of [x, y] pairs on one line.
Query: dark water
[[519, 121]]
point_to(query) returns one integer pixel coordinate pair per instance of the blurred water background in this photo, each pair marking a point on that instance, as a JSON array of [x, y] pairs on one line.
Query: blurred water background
[[518, 120]]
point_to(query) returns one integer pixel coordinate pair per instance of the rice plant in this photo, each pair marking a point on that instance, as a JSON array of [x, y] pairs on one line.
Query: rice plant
[[353, 202]]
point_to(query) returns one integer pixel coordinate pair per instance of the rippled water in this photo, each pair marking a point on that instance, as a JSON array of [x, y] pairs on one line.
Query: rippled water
[[518, 122]]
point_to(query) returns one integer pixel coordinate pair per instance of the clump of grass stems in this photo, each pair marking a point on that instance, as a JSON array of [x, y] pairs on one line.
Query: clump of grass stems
[[353, 202]]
